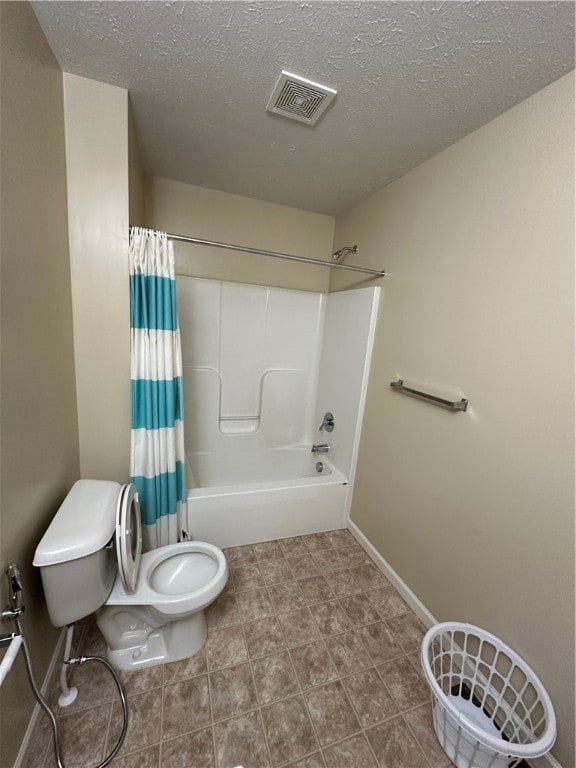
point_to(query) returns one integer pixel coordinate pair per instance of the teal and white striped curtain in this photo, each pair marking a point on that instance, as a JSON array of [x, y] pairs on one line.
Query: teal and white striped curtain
[[157, 461]]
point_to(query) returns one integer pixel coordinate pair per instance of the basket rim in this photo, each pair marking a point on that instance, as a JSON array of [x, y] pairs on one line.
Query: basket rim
[[534, 749]]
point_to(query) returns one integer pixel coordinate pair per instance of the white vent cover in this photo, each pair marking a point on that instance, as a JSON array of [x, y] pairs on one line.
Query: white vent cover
[[299, 99]]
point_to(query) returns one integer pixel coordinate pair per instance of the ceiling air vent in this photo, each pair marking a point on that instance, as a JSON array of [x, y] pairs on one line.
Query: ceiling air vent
[[299, 99]]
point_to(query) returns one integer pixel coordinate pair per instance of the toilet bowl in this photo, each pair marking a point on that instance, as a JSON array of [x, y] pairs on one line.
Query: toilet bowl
[[149, 607], [163, 619]]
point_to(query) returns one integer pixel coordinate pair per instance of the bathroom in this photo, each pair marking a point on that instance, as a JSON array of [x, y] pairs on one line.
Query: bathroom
[[474, 511]]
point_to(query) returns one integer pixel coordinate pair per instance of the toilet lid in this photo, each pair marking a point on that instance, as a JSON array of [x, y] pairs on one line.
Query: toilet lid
[[128, 536]]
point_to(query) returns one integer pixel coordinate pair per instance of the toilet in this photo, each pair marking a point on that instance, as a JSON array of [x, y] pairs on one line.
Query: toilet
[[150, 607]]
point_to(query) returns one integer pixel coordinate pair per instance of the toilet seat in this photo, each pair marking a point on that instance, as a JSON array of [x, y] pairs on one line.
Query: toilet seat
[[172, 604], [128, 537]]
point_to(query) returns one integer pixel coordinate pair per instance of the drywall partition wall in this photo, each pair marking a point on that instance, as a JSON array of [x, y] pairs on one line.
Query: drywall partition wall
[[250, 357], [39, 436], [186, 209], [347, 341], [135, 174], [475, 511], [97, 166]]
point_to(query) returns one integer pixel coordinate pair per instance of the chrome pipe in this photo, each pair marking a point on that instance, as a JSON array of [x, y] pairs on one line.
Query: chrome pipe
[[44, 704], [14, 613]]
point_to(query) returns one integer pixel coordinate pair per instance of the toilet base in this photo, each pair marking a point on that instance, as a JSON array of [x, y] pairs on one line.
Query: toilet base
[[173, 641]]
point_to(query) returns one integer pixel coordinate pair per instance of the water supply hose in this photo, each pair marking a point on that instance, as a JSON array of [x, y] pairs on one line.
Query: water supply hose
[[42, 701]]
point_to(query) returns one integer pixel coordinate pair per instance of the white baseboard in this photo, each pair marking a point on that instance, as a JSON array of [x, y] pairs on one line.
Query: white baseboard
[[406, 593], [546, 761], [37, 711]]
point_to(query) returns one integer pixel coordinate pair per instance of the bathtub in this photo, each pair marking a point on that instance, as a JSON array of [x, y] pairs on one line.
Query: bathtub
[[247, 497]]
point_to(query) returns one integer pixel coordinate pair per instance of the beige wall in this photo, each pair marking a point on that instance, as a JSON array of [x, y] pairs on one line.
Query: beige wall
[[184, 209], [39, 435], [135, 174], [475, 511], [97, 165]]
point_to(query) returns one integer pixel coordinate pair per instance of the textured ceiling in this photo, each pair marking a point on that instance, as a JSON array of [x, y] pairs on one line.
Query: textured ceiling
[[412, 78]]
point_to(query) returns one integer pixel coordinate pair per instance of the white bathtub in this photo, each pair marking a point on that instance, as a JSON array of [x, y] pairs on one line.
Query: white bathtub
[[249, 497]]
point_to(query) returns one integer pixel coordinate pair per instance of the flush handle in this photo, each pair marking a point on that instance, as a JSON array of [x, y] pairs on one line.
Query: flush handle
[[328, 422]]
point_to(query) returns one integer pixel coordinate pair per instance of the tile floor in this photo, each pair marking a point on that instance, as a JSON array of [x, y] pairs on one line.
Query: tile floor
[[311, 662]]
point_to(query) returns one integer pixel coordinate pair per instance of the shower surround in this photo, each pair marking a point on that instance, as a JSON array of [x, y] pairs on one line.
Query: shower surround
[[261, 368]]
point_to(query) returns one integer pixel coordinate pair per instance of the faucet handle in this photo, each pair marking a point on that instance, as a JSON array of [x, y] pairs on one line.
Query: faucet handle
[[327, 422]]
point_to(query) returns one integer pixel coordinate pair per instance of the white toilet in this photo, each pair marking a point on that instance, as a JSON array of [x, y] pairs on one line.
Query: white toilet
[[149, 606]]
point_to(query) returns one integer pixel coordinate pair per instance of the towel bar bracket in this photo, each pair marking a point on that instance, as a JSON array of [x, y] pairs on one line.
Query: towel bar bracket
[[7, 639]]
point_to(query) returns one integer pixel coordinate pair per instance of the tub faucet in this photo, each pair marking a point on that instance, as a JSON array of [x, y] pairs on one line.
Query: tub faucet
[[322, 448]]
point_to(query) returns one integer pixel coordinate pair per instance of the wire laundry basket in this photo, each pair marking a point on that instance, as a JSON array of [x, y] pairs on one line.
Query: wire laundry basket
[[489, 708]]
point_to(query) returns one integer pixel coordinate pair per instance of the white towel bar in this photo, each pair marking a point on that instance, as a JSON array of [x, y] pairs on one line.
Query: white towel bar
[[9, 656]]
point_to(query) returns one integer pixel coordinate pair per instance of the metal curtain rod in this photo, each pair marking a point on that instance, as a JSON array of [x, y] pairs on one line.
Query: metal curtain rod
[[275, 254]]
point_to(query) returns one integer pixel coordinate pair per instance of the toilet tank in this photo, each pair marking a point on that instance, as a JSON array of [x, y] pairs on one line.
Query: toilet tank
[[76, 555]]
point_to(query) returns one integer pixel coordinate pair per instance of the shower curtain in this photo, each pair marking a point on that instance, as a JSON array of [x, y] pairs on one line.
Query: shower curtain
[[157, 461]]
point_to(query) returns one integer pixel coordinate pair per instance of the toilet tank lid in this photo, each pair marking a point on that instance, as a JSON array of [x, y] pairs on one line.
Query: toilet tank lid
[[84, 523]]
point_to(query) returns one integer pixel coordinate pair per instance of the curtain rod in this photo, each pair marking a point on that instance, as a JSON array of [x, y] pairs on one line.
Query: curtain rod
[[274, 254]]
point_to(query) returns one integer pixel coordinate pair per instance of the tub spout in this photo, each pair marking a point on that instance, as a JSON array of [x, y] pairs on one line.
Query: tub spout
[[322, 448]]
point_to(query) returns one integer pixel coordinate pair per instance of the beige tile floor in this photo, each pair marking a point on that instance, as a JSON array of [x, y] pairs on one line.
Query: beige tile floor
[[311, 662]]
